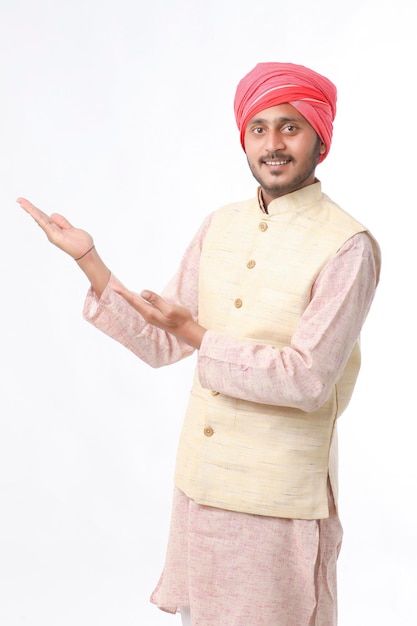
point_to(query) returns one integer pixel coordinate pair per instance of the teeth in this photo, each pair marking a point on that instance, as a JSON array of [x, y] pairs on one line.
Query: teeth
[[276, 162]]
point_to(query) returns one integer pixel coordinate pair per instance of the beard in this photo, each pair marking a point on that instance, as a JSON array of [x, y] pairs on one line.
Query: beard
[[276, 188]]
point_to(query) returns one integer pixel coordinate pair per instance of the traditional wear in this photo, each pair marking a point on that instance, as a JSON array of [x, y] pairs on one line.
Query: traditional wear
[[270, 84], [255, 534], [211, 552], [238, 450]]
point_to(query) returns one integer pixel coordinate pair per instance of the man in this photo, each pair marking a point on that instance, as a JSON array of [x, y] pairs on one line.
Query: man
[[273, 293]]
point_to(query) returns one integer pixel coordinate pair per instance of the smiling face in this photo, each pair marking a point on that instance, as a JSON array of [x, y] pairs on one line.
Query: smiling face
[[283, 150]]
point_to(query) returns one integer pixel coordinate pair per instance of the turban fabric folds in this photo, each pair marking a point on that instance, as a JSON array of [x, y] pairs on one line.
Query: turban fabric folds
[[270, 84]]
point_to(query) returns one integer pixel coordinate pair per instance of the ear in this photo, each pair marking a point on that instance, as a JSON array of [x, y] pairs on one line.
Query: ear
[[323, 148]]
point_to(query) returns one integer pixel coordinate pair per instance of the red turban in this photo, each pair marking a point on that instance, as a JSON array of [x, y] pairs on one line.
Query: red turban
[[270, 84]]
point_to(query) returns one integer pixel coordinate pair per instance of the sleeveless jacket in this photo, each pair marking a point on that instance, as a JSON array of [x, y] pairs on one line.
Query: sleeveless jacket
[[251, 457]]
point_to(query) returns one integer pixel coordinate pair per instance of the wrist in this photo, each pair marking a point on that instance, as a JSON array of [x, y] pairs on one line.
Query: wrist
[[96, 271], [194, 334], [85, 253]]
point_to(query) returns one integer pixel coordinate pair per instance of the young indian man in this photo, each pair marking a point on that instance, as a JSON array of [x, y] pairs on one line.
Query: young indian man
[[272, 292]]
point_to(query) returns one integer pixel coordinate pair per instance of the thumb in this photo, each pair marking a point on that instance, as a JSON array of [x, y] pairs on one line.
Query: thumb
[[150, 296], [155, 300], [60, 221]]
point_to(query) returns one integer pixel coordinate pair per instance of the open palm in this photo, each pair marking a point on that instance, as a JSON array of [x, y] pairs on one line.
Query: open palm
[[59, 231]]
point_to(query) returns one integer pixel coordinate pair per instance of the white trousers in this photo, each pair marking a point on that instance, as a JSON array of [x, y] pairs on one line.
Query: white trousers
[[185, 616]]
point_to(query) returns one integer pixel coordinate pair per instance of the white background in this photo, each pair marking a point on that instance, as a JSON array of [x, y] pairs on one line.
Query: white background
[[120, 116]]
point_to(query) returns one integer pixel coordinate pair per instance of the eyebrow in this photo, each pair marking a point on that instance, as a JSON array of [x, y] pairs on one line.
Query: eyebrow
[[280, 120]]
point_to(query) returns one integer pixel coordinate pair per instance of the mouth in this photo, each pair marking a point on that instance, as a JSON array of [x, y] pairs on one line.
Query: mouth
[[276, 163]]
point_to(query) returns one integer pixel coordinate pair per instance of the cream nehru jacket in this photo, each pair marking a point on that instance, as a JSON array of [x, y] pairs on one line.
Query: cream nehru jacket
[[240, 455]]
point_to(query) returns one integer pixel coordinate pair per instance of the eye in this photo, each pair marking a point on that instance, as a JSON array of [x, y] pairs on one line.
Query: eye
[[258, 130], [289, 128]]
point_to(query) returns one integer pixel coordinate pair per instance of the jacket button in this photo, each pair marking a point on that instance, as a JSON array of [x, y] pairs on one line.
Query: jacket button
[[238, 303], [251, 264], [208, 431], [263, 226], [214, 393]]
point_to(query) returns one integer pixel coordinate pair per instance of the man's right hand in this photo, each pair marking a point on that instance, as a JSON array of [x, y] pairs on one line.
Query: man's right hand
[[60, 232], [74, 241]]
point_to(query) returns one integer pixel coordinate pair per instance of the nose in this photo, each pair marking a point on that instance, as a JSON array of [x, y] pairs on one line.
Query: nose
[[274, 141]]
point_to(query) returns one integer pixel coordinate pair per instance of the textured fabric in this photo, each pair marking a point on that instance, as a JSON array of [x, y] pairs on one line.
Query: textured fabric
[[270, 84], [236, 569], [247, 455], [340, 299]]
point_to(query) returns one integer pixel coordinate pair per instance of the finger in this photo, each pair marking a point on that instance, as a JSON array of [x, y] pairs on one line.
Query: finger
[[156, 301], [39, 216], [133, 299], [60, 221]]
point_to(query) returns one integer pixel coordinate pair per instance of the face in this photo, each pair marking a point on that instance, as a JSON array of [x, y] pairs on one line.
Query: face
[[283, 150]]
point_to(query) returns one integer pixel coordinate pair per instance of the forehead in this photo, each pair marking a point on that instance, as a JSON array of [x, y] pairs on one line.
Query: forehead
[[278, 114]]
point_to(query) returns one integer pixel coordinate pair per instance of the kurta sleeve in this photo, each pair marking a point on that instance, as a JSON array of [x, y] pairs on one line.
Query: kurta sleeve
[[303, 373], [116, 318]]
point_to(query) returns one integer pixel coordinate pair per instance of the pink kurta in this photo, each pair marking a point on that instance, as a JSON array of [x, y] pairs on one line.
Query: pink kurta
[[236, 569]]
